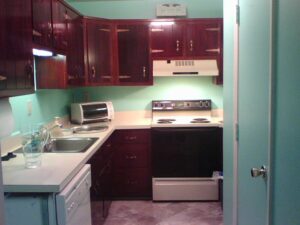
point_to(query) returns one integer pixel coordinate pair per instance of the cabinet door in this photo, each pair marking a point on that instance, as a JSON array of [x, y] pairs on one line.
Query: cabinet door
[[204, 38], [18, 75], [132, 183], [99, 52], [167, 39], [133, 54], [41, 22], [50, 72], [59, 20], [75, 52]]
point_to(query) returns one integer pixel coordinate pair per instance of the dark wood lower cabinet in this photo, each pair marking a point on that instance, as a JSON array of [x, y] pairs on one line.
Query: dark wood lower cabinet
[[133, 183], [102, 181], [120, 170], [131, 164]]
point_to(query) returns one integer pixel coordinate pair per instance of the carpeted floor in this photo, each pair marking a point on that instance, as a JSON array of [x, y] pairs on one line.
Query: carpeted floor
[[149, 213]]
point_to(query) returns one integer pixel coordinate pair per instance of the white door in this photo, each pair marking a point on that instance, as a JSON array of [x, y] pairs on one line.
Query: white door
[[254, 111], [268, 113]]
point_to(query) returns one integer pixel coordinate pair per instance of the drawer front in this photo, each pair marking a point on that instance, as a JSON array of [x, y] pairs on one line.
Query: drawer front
[[132, 156], [132, 183], [132, 136]]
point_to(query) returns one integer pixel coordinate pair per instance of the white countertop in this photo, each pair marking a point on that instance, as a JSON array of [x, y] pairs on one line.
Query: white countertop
[[58, 169]]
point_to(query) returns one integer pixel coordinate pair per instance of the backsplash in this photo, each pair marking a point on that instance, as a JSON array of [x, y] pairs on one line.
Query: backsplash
[[139, 97], [45, 105]]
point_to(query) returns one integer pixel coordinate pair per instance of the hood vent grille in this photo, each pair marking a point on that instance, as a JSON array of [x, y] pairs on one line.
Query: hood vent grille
[[199, 67]]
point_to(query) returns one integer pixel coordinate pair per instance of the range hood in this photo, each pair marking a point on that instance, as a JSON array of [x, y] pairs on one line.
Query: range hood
[[199, 67]]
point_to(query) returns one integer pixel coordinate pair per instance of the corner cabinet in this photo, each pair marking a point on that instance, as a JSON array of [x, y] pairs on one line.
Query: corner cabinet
[[132, 44], [16, 60], [59, 28]]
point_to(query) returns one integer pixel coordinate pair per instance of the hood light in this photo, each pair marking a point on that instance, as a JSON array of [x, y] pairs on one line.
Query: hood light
[[38, 52]]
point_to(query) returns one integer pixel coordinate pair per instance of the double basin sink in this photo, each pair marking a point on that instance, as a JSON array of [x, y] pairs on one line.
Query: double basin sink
[[68, 145]]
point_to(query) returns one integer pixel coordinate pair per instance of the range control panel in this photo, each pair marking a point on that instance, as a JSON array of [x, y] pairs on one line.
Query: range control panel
[[180, 105]]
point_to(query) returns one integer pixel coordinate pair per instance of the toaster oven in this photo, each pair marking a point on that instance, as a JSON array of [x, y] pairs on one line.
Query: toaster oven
[[91, 112]]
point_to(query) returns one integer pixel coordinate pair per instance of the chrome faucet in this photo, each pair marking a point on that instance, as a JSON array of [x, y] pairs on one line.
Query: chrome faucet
[[47, 131]]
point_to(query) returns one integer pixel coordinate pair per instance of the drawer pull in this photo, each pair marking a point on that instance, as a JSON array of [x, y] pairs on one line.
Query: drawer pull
[[132, 182], [131, 157], [130, 138]]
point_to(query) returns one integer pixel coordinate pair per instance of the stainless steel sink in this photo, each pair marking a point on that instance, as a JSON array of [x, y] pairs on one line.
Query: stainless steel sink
[[89, 129], [76, 144], [68, 145]]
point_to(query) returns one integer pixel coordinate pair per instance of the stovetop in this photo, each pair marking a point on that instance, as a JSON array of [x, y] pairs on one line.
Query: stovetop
[[182, 113]]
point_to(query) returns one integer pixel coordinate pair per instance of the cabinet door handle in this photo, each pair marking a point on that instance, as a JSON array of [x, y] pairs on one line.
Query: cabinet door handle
[[93, 72], [191, 45], [157, 50], [36, 33], [213, 50], [144, 71], [29, 69], [122, 30], [177, 45], [213, 29], [2, 78]]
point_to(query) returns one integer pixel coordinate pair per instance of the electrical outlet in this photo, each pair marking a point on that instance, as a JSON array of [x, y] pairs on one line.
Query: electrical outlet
[[29, 108]]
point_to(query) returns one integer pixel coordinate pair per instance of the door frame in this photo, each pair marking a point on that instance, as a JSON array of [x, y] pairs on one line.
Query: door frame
[[271, 107]]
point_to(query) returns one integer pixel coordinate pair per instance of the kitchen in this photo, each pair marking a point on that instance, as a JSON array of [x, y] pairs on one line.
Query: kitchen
[[46, 106]]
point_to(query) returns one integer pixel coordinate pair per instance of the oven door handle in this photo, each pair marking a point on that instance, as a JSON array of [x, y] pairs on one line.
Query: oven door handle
[[184, 129]]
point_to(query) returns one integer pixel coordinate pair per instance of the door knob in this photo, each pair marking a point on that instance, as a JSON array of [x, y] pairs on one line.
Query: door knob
[[256, 172]]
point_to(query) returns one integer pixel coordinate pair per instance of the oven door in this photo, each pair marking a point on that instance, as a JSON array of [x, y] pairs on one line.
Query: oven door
[[186, 152]]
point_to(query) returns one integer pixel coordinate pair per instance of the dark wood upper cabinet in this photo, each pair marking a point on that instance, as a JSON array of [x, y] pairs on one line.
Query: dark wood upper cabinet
[[204, 38], [3, 74], [75, 50], [65, 37], [59, 20], [186, 38], [132, 44], [42, 22], [16, 51], [99, 52]]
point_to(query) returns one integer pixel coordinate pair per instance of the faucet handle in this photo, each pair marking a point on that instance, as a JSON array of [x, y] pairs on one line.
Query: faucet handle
[[57, 122]]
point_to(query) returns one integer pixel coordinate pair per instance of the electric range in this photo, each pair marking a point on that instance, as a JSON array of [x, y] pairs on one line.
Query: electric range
[[183, 113], [186, 150]]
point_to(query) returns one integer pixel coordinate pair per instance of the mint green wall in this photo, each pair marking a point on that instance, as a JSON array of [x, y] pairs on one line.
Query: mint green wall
[[286, 167], [139, 98], [46, 104], [145, 9]]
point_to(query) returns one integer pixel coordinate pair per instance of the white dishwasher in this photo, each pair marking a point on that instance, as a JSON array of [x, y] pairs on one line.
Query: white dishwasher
[[73, 202]]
